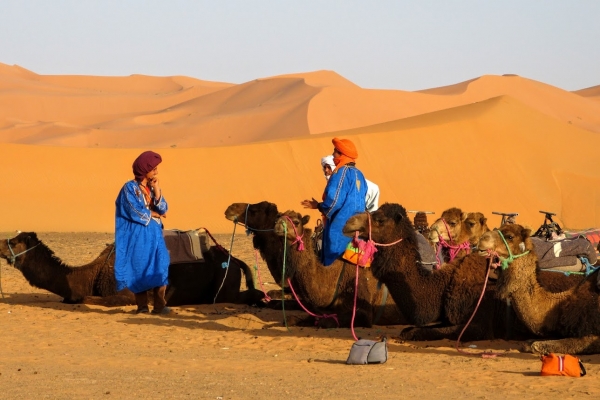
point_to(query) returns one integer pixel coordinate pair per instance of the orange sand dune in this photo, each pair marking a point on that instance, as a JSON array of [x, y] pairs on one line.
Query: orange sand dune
[[163, 112], [495, 155], [591, 92]]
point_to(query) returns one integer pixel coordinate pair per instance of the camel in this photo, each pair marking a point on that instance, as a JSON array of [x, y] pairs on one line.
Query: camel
[[259, 219], [573, 314], [459, 230], [332, 288], [446, 296], [94, 283]]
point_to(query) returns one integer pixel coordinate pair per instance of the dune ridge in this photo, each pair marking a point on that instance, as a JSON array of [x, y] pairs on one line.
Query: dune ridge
[[493, 143]]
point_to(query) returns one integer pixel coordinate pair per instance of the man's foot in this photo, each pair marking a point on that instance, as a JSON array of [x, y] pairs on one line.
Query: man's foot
[[143, 310], [164, 311]]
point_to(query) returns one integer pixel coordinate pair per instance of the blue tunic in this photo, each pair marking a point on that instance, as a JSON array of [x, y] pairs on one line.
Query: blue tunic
[[141, 257], [344, 196]]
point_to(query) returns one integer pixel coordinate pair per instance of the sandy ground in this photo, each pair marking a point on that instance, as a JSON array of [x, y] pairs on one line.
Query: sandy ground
[[223, 351]]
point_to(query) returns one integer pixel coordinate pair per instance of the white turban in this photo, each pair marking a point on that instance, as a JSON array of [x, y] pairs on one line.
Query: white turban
[[328, 160]]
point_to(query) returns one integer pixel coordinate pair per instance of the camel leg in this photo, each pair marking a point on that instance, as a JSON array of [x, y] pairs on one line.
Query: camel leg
[[473, 332], [585, 345]]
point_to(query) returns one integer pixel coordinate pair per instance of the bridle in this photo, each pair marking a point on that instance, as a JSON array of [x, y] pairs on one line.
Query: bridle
[[249, 230], [13, 256], [505, 262], [454, 249]]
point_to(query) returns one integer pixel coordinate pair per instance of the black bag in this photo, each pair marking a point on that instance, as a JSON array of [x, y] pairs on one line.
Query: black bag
[[366, 351]]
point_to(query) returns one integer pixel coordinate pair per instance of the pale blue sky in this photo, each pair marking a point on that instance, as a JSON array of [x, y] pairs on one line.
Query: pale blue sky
[[408, 45]]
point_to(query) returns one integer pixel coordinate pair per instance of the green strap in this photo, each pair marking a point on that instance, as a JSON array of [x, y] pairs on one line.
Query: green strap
[[507, 261]]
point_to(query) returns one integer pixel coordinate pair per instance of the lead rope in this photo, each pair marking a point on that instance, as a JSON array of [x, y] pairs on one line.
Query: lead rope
[[368, 248], [226, 265], [257, 270], [483, 354], [300, 248]]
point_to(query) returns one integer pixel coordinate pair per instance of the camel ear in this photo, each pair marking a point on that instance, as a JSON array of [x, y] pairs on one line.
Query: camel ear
[[398, 217], [525, 233], [483, 220], [463, 216], [305, 219]]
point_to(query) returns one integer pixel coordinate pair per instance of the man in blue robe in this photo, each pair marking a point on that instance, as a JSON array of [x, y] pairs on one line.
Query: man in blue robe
[[141, 257], [344, 196]]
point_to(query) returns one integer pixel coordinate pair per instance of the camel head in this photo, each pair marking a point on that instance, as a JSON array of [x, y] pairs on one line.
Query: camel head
[[517, 238], [518, 241], [388, 224], [476, 226], [19, 245], [451, 229], [259, 216], [293, 232]]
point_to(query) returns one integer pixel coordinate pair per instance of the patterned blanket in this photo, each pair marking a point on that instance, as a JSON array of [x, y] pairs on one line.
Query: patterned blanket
[[186, 246]]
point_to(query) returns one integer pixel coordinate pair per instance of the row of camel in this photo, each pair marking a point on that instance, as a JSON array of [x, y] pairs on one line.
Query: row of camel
[[395, 290]]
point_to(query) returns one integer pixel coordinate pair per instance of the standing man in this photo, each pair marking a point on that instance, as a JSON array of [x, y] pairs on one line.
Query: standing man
[[141, 257], [344, 196]]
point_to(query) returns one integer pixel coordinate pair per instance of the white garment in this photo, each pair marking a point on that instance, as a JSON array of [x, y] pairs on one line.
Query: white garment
[[372, 198]]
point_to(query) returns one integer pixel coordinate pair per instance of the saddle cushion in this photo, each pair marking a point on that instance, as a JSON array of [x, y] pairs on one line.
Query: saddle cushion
[[186, 246]]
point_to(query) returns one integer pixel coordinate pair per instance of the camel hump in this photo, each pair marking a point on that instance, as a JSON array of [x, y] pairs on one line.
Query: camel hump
[[186, 246]]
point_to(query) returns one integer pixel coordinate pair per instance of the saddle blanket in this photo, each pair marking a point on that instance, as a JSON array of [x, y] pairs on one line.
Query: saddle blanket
[[563, 253], [592, 234], [186, 246]]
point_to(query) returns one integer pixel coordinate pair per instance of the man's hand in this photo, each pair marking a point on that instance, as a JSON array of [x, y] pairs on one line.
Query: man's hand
[[314, 204]]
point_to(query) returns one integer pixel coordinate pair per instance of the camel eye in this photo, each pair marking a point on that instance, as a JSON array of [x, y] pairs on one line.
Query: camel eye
[[452, 224], [471, 224], [509, 237]]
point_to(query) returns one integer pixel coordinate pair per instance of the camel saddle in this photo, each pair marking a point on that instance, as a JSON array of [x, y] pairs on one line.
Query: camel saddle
[[564, 255], [186, 246]]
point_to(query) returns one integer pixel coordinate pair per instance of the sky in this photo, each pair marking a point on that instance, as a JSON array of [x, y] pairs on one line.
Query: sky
[[379, 44]]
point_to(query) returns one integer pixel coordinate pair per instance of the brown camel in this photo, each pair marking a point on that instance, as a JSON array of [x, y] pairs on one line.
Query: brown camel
[[458, 228], [572, 314], [94, 283], [332, 288], [447, 295], [259, 220]]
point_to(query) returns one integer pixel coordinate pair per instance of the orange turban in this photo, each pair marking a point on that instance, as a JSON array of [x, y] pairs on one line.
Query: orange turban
[[346, 147]]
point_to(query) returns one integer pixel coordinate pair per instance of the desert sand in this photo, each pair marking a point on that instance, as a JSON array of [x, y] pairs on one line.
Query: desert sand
[[225, 351], [492, 143]]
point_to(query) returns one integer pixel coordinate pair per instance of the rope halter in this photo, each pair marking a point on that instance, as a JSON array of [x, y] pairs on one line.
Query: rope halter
[[249, 230], [14, 256], [505, 262], [298, 237], [453, 249]]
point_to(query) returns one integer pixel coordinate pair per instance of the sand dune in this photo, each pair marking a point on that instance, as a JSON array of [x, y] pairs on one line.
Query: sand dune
[[489, 144], [591, 92]]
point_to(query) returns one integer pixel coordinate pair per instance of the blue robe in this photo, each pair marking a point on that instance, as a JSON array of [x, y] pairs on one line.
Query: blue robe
[[141, 257], [344, 197]]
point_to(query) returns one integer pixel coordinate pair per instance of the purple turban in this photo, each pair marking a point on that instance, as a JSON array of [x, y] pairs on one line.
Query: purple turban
[[145, 163]]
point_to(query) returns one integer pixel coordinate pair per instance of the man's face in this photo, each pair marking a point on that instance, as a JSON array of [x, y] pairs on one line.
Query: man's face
[[327, 171]]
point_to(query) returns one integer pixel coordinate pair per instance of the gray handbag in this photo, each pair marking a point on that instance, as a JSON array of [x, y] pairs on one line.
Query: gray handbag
[[366, 351]]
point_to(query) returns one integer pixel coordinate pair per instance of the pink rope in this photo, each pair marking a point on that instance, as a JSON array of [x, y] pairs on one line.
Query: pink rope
[[453, 248], [334, 316], [298, 237], [483, 354], [267, 298], [354, 308]]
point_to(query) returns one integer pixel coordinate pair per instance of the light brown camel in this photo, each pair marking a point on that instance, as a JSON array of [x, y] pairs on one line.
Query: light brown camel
[[447, 295], [332, 288], [458, 229], [94, 283], [572, 315]]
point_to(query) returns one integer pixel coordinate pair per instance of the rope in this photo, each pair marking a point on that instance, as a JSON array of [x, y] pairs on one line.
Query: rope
[[250, 230], [355, 299], [483, 354], [226, 266], [505, 262], [283, 277], [316, 316], [453, 249], [298, 237]]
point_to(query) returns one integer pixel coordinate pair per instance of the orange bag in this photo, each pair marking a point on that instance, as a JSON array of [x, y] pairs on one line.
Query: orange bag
[[355, 256], [567, 365]]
